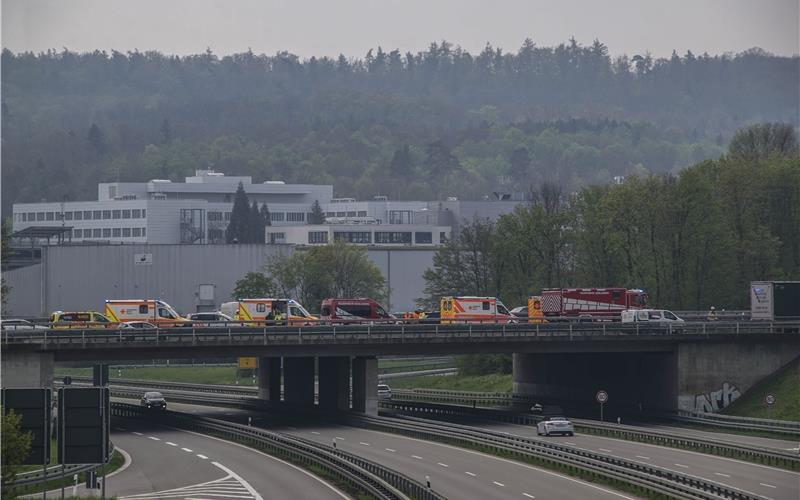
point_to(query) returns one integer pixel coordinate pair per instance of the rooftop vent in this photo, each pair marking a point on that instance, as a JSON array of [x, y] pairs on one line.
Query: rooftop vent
[[156, 181], [274, 182]]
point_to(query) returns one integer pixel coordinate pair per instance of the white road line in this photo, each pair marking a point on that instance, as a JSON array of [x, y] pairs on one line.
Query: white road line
[[315, 432], [642, 457], [187, 450], [339, 438], [202, 456], [417, 457], [244, 483], [443, 465], [138, 433], [499, 484], [681, 465], [470, 473], [768, 485], [362, 442], [154, 438], [721, 474], [528, 495], [171, 443], [571, 444], [605, 450], [391, 450], [292, 428]]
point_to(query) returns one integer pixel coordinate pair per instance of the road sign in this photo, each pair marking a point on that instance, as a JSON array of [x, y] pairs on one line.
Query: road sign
[[33, 405], [770, 399], [248, 363], [67, 380], [601, 396], [83, 425]]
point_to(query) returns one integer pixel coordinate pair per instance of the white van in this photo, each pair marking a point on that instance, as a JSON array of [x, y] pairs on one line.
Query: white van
[[649, 316]]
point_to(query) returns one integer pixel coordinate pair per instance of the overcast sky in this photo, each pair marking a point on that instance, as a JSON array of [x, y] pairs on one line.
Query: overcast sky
[[351, 27]]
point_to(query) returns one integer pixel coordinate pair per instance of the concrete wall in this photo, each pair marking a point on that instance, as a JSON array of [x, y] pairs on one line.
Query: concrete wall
[[83, 277], [27, 370]]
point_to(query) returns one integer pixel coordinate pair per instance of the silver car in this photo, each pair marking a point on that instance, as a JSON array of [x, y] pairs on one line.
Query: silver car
[[555, 425], [384, 391]]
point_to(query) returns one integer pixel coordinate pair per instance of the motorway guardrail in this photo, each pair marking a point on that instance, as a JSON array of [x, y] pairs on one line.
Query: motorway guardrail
[[384, 334], [52, 473], [787, 427], [369, 477]]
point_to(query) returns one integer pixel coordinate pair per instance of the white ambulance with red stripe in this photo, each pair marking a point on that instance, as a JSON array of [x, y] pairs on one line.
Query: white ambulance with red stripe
[[157, 312], [474, 310]]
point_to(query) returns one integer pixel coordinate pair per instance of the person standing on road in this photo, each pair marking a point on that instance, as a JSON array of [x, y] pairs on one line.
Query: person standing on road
[[712, 314]]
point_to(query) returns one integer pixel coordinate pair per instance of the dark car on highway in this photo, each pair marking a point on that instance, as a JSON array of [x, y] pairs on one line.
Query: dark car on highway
[[154, 400]]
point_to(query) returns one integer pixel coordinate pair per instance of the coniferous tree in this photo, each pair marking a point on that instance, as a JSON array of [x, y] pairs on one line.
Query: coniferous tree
[[265, 215], [237, 231], [256, 229], [317, 216]]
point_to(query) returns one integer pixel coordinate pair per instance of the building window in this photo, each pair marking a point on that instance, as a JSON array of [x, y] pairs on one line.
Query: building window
[[50, 216], [351, 214], [67, 215], [362, 237], [31, 216], [442, 237], [39, 216], [392, 237], [137, 232], [126, 232], [214, 216], [276, 216], [295, 217], [106, 232], [330, 214], [87, 233], [117, 214], [144, 232], [401, 216], [21, 217], [277, 238], [106, 214], [136, 213], [97, 214], [341, 214], [97, 233], [362, 213], [317, 237], [77, 233], [87, 215], [144, 214], [116, 232], [228, 217], [423, 238], [78, 215], [126, 214]]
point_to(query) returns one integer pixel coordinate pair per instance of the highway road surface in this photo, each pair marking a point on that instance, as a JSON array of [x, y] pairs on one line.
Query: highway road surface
[[174, 464]]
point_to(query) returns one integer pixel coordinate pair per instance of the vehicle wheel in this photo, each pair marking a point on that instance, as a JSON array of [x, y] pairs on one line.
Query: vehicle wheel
[[547, 433], [570, 434]]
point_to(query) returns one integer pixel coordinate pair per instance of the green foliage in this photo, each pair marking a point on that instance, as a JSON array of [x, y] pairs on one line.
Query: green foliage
[[692, 240], [253, 286], [763, 140], [495, 382], [783, 385], [317, 216], [483, 364], [247, 225], [15, 448]]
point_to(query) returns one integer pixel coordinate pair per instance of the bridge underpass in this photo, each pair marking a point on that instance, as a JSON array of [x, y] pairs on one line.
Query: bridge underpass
[[701, 368]]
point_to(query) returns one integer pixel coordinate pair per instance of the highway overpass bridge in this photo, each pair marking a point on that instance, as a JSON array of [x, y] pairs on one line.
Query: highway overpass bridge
[[698, 366]]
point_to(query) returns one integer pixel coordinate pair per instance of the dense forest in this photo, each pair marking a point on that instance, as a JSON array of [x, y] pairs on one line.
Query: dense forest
[[691, 240], [442, 122]]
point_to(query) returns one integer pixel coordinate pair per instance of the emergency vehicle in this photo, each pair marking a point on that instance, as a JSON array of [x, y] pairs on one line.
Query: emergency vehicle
[[474, 309], [82, 319], [535, 313], [591, 303], [157, 312], [263, 310]]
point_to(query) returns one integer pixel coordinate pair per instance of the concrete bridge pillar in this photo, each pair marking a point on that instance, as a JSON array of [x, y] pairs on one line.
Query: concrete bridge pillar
[[269, 378], [334, 383], [26, 370], [365, 385], [298, 381]]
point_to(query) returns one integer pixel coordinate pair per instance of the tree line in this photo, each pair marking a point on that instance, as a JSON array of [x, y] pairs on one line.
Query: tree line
[[692, 240], [440, 122]]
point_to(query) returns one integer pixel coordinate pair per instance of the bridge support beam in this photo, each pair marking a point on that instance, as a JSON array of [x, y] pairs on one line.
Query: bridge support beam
[[334, 383], [25, 370], [298, 381], [269, 378], [365, 385]]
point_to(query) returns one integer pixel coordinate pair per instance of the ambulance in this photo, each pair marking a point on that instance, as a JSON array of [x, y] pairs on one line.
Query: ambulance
[[263, 310], [157, 312], [474, 310]]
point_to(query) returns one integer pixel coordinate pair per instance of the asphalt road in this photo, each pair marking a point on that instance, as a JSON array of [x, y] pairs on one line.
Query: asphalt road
[[175, 464], [728, 437]]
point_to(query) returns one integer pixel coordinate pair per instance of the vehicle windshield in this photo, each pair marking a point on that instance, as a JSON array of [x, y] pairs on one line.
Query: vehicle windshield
[[153, 395], [640, 299], [298, 310], [502, 309], [558, 419], [669, 315]]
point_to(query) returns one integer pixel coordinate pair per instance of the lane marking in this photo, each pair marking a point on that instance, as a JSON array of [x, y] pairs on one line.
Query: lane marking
[[443, 465], [138, 433], [768, 485], [339, 438], [391, 450], [187, 450], [528, 495], [642, 457], [202, 456], [499, 484], [571, 444], [605, 450], [315, 432], [470, 473], [681, 465], [231, 485], [171, 443], [239, 478], [362, 442], [291, 428], [417, 457], [154, 438], [721, 474]]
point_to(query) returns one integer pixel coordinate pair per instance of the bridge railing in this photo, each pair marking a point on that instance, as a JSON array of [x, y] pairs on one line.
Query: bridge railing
[[376, 334]]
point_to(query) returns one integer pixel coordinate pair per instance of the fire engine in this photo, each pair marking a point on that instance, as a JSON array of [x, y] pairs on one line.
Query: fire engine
[[474, 309], [263, 310], [157, 312], [595, 303]]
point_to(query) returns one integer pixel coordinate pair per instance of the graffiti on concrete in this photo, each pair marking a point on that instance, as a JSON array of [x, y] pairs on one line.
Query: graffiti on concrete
[[716, 400]]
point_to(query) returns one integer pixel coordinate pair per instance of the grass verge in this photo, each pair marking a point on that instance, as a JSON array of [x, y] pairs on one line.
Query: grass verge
[[784, 385], [115, 463]]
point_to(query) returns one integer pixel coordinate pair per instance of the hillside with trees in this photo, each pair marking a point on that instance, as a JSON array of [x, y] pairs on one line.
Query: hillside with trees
[[442, 122]]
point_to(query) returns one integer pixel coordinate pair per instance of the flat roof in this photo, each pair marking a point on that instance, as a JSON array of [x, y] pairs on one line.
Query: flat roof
[[42, 231]]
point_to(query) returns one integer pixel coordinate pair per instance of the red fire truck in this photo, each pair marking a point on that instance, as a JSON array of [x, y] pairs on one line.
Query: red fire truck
[[591, 303]]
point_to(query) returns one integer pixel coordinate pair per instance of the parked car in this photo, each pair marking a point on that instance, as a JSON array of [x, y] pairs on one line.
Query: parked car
[[154, 400], [384, 391], [210, 319], [19, 324], [137, 325], [650, 316], [537, 408], [555, 425], [355, 310]]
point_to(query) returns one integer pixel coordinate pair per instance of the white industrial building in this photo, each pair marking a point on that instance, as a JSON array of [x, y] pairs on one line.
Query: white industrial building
[[359, 234]]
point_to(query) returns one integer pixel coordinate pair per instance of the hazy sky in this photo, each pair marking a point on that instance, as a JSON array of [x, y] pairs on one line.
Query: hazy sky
[[330, 27]]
